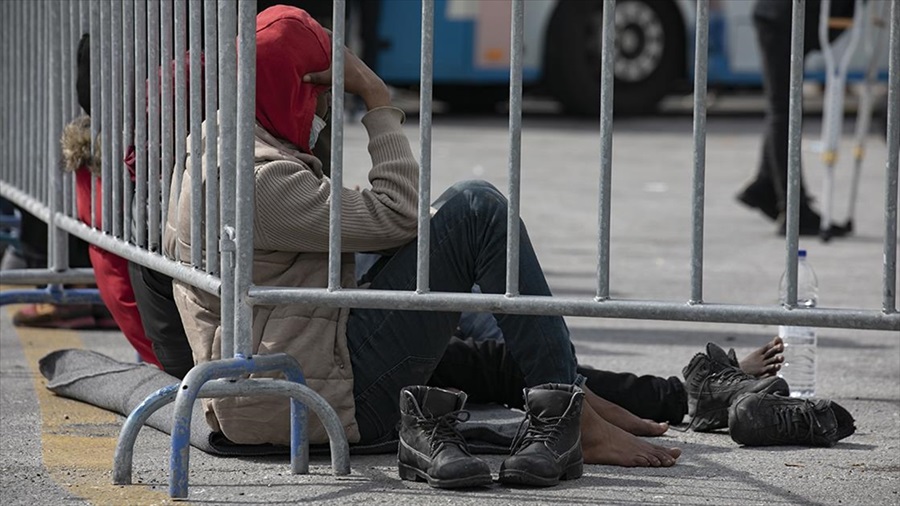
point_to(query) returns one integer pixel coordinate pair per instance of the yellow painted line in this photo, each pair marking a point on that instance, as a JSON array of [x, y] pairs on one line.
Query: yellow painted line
[[78, 440]]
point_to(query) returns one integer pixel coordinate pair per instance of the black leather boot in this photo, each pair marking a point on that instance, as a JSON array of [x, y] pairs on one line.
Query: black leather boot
[[431, 448], [764, 419], [548, 446], [713, 381]]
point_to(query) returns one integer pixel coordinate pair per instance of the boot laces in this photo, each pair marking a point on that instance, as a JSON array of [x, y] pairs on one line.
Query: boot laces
[[794, 419], [442, 429], [727, 376], [537, 430]]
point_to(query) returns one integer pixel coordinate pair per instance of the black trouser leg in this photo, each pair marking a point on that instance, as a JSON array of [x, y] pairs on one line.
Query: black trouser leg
[[160, 317], [487, 373]]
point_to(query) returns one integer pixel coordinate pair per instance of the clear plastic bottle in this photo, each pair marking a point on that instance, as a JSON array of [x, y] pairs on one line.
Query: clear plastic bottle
[[799, 367]]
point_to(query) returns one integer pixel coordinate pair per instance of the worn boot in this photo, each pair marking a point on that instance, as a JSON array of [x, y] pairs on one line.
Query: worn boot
[[713, 383], [548, 446], [431, 448], [764, 420]]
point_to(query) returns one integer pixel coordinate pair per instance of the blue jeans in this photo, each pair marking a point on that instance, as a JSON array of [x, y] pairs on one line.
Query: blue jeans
[[392, 349]]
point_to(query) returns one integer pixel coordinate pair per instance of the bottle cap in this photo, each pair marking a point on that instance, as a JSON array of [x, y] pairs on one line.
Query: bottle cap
[[801, 253]]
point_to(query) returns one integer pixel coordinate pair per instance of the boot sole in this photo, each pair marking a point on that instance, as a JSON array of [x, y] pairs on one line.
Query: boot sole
[[517, 477], [410, 473]]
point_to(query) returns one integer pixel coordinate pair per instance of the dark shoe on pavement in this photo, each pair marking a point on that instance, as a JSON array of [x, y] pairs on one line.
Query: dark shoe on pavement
[[52, 316], [810, 224], [760, 195], [431, 448], [548, 446], [713, 383], [762, 419]]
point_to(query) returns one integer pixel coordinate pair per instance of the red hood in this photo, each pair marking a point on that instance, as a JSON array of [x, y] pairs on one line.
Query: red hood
[[289, 45]]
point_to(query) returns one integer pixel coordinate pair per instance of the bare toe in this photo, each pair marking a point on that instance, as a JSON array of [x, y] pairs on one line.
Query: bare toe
[[760, 361]]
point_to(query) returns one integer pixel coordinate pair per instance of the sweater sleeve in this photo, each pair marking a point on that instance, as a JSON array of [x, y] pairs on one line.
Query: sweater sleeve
[[292, 202]]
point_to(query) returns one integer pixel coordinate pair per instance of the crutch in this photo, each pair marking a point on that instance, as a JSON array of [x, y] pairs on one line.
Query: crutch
[[873, 45], [833, 113]]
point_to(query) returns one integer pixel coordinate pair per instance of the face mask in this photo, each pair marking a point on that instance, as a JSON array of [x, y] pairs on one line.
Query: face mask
[[318, 125]]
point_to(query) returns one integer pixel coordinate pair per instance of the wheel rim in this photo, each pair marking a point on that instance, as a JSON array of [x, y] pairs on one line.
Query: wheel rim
[[640, 40]]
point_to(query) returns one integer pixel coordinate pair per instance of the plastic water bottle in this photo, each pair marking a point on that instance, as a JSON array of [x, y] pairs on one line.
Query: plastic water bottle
[[799, 367]]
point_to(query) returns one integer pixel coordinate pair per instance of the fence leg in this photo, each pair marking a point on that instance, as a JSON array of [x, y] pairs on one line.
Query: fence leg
[[196, 384], [124, 456]]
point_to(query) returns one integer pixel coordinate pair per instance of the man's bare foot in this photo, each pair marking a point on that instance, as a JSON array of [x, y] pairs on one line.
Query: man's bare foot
[[622, 418], [765, 361], [604, 443]]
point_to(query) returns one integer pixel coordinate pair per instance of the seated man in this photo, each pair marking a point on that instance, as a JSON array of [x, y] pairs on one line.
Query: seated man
[[360, 359]]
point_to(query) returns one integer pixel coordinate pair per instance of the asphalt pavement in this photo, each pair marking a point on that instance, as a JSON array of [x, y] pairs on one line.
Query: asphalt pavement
[[58, 451]]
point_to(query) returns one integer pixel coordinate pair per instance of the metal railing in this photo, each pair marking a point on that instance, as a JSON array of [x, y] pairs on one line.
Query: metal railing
[[141, 98]]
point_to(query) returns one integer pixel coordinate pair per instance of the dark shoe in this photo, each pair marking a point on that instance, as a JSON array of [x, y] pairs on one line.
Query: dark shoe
[[713, 383], [431, 448], [811, 224], [761, 196], [72, 316], [764, 420], [548, 446]]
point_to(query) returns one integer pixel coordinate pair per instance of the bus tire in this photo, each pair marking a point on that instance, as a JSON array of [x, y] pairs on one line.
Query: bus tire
[[647, 62]]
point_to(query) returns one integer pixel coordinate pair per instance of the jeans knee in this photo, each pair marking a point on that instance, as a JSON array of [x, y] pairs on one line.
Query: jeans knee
[[480, 194]]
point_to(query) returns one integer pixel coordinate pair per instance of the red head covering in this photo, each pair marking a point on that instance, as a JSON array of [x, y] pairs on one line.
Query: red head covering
[[289, 45]]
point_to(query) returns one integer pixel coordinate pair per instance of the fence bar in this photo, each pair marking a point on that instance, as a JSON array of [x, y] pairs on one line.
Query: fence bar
[[74, 110], [60, 254], [181, 113], [337, 144], [115, 162], [515, 147], [195, 29], [141, 47], [246, 133], [6, 91], [128, 112], [795, 122], [228, 96], [41, 169], [167, 136], [31, 51], [889, 302], [106, 129], [575, 306], [96, 106], [62, 19], [211, 73], [426, 84], [701, 58], [14, 92], [607, 61], [159, 29]]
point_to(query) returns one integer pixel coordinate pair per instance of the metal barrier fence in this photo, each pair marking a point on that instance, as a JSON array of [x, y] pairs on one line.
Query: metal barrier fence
[[139, 99]]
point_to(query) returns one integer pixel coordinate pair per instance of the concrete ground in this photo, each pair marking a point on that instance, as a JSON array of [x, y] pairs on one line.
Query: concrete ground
[[57, 451]]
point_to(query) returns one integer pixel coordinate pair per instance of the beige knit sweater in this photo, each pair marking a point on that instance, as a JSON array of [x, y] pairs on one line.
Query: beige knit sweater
[[290, 249]]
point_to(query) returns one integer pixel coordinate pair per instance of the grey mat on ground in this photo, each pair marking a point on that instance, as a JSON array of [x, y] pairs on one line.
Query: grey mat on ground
[[120, 387]]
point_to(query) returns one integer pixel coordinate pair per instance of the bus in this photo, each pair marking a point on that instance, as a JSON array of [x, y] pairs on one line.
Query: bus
[[562, 46]]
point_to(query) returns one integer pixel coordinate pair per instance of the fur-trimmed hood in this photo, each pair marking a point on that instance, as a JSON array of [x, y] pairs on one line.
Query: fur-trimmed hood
[[76, 146]]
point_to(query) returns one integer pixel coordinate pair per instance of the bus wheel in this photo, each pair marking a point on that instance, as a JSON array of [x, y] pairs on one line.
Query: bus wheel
[[649, 54]]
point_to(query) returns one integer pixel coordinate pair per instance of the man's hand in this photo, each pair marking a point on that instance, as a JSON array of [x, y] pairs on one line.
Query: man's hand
[[359, 80]]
